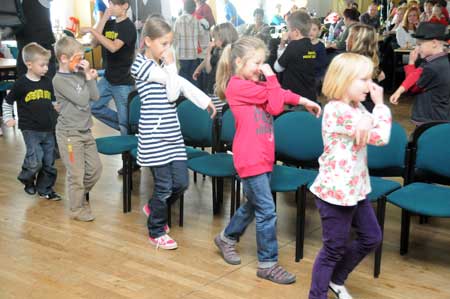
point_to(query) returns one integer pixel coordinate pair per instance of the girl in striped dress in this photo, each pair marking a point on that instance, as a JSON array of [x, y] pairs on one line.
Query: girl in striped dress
[[161, 145]]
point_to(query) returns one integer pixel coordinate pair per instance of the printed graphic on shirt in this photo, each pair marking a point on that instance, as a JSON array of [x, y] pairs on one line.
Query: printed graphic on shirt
[[264, 121], [112, 35], [38, 94], [310, 55]]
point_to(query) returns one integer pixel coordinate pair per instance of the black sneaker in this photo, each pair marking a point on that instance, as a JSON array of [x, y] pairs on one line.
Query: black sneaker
[[30, 189], [51, 196]]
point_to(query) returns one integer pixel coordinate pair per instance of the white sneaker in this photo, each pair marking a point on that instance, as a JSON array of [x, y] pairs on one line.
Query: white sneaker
[[163, 242], [340, 291]]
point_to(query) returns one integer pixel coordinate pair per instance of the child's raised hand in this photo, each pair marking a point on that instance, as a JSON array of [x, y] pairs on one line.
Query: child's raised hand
[[266, 70], [376, 93], [11, 123], [212, 109], [363, 127], [91, 74], [311, 106], [168, 56], [394, 98], [196, 74]]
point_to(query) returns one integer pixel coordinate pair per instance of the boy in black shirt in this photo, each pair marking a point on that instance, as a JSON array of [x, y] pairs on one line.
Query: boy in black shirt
[[33, 93], [297, 61], [118, 38]]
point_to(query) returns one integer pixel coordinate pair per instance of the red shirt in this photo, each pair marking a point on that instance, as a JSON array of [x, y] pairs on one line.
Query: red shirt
[[204, 11], [253, 105]]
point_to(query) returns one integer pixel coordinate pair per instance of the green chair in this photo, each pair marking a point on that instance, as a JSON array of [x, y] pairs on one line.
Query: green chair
[[218, 165], [122, 145], [298, 142], [386, 161], [426, 191]]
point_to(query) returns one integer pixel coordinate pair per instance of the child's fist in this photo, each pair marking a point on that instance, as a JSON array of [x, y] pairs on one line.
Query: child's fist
[[11, 123]]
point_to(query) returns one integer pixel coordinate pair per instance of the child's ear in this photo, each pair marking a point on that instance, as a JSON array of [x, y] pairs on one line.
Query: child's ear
[[147, 41]]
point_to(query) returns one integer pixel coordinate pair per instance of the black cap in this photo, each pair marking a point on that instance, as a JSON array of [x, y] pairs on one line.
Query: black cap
[[428, 31]]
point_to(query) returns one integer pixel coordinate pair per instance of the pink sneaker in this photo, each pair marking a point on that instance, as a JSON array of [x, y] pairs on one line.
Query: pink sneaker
[[146, 210], [164, 242]]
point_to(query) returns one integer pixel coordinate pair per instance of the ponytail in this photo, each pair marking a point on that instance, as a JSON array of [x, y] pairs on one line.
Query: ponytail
[[224, 72]]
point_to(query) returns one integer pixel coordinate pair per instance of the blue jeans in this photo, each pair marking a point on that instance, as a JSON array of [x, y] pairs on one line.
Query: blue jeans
[[259, 204], [187, 68], [115, 119], [339, 255], [38, 165], [170, 181]]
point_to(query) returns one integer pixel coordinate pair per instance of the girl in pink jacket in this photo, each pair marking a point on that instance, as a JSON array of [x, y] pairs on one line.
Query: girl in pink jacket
[[253, 102]]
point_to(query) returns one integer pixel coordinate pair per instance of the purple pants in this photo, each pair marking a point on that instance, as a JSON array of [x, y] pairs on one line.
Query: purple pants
[[340, 255]]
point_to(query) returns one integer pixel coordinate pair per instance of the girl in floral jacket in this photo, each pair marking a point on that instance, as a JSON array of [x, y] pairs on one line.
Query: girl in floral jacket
[[343, 181]]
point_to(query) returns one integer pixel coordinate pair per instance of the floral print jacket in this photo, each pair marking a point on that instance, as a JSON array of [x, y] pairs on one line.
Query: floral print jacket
[[343, 175]]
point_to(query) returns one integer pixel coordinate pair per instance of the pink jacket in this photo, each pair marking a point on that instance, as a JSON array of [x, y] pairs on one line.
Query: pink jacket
[[253, 105]]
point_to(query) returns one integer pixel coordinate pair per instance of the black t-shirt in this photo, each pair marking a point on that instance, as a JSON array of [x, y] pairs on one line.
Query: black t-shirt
[[299, 61], [34, 103], [211, 77], [118, 64]]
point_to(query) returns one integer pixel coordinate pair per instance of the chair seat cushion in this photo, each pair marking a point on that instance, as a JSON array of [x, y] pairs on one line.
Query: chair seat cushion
[[194, 152], [114, 145], [6, 85], [214, 165], [286, 178], [424, 199], [381, 187]]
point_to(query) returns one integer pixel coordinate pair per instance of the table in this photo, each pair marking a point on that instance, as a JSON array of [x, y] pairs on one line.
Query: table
[[8, 64]]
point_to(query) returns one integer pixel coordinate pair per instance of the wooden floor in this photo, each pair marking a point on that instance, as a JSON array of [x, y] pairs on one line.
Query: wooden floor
[[44, 254]]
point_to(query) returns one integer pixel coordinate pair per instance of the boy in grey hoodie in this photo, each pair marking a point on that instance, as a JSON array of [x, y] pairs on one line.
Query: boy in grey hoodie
[[75, 85]]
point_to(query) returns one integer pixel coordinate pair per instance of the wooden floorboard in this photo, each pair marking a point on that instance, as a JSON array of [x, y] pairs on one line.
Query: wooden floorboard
[[44, 254]]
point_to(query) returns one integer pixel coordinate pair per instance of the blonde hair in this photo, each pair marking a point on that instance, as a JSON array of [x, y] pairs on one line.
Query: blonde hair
[[363, 39], [244, 48], [33, 51], [155, 27], [405, 23], [301, 21], [342, 71], [227, 33], [67, 46]]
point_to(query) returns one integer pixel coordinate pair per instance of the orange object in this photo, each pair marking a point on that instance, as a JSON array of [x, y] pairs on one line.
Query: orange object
[[73, 25], [70, 150], [74, 62]]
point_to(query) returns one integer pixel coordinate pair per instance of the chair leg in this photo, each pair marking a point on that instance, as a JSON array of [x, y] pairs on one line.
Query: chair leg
[[220, 191], [404, 238], [181, 209], [195, 177], [238, 193], [381, 211], [274, 196], [214, 196], [87, 196], [300, 197], [130, 180], [125, 180], [233, 197]]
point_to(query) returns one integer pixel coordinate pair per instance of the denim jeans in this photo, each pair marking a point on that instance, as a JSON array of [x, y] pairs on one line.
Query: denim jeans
[[115, 119], [38, 165], [259, 204], [187, 68], [170, 181], [339, 256]]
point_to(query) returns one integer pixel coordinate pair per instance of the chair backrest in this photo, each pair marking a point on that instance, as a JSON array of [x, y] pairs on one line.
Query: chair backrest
[[196, 125], [134, 112], [14, 51], [298, 138], [389, 160], [431, 151], [227, 127]]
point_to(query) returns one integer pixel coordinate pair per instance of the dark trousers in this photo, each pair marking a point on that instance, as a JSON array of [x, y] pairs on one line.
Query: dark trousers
[[170, 181], [38, 165], [339, 255], [187, 68]]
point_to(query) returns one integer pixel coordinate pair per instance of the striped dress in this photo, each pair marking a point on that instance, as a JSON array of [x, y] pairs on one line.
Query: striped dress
[[160, 141]]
